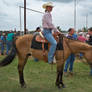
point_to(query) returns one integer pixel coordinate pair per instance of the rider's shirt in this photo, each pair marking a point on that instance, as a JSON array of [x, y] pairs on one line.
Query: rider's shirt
[[47, 22]]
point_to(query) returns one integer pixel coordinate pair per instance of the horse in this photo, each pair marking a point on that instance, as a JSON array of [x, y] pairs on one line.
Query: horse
[[22, 47]]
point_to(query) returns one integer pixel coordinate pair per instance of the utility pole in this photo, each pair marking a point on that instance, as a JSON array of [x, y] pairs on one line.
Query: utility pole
[[75, 14], [24, 16], [87, 21], [20, 17], [20, 7]]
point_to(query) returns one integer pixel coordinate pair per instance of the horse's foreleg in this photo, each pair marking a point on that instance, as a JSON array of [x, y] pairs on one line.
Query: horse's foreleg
[[59, 80], [22, 62]]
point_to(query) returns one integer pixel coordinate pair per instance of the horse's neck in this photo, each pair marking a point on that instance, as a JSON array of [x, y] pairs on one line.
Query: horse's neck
[[77, 46]]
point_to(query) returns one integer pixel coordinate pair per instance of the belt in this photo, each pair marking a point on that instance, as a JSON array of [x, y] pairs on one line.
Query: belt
[[47, 28]]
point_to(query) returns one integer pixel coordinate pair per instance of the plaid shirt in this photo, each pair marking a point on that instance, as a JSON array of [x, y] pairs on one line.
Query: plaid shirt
[[47, 22]]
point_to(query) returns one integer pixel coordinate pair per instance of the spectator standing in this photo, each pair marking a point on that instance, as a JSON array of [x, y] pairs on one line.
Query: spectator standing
[[87, 36], [89, 41], [9, 41], [3, 41], [70, 61], [82, 39], [90, 36], [0, 42], [38, 29]]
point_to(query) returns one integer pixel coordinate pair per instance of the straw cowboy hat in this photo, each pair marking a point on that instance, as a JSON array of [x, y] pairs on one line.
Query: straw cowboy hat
[[47, 4]]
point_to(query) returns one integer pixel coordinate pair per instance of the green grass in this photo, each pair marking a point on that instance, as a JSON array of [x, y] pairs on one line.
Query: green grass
[[40, 78]]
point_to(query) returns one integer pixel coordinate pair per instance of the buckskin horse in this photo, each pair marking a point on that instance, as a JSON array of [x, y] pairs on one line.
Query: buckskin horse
[[22, 47]]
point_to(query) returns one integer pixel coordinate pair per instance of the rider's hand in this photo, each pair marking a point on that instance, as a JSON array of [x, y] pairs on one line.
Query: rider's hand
[[58, 33]]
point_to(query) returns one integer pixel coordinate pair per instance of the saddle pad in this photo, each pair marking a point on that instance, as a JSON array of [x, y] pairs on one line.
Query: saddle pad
[[38, 45]]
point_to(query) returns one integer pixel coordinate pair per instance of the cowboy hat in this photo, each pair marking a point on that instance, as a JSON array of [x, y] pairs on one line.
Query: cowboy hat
[[47, 4]]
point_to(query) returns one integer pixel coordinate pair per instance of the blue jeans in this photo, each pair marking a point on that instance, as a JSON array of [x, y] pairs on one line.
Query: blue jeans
[[81, 55], [2, 48], [8, 46], [70, 62], [36, 60], [48, 35]]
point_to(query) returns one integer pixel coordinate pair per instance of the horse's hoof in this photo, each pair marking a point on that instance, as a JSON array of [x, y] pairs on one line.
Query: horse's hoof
[[59, 87], [23, 86], [63, 86]]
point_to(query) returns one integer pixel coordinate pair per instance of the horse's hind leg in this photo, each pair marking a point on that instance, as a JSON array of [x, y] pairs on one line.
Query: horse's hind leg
[[21, 64], [59, 81]]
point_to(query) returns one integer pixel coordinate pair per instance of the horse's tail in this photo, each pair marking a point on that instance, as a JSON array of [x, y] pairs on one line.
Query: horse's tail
[[8, 59]]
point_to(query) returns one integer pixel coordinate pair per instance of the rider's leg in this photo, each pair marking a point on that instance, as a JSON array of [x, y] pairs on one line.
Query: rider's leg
[[48, 35]]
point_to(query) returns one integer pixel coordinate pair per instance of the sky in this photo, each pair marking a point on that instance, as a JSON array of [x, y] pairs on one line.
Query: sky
[[62, 14]]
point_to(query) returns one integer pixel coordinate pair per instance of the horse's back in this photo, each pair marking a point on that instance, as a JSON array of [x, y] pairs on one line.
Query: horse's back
[[23, 43]]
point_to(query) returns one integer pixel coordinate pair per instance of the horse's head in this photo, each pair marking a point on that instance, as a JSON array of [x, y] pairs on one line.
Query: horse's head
[[76, 46]]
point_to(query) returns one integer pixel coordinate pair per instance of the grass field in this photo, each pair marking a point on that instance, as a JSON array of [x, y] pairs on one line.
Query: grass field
[[40, 78]]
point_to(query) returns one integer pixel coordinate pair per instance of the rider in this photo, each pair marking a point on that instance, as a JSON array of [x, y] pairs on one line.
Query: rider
[[89, 41], [47, 30]]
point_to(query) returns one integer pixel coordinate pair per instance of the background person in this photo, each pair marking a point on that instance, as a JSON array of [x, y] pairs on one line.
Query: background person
[[38, 29], [82, 39], [87, 36], [89, 41], [9, 41], [70, 61], [3, 41]]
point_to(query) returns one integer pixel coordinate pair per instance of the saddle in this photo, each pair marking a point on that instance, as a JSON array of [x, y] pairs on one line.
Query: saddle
[[40, 38], [39, 42]]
